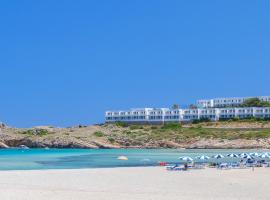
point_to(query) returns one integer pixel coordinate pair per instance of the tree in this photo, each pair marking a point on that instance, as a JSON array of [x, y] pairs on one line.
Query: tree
[[192, 106], [175, 106], [255, 102]]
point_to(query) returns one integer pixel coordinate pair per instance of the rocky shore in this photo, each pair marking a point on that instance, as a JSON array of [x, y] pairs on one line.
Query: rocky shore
[[213, 135]]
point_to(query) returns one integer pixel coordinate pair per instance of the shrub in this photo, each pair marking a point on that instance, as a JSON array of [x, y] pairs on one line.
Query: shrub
[[111, 140], [127, 132], [172, 126], [236, 119], [37, 132], [28, 132], [134, 127], [199, 126], [154, 127], [197, 121], [121, 124], [98, 134]]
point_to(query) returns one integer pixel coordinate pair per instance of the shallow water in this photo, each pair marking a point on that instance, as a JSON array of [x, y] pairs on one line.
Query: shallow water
[[27, 159]]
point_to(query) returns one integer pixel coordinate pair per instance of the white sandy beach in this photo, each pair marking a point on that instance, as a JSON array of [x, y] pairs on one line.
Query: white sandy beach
[[135, 183]]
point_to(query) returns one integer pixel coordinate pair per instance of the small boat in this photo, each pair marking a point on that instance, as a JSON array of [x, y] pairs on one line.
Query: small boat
[[23, 147], [122, 158]]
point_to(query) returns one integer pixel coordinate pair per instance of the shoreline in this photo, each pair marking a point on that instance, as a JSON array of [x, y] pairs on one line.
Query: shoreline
[[126, 148], [135, 183]]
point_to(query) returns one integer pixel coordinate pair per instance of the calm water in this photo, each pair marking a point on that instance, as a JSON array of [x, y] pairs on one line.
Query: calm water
[[17, 159]]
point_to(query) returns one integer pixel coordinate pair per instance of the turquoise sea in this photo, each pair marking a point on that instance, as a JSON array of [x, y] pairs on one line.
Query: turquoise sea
[[28, 159]]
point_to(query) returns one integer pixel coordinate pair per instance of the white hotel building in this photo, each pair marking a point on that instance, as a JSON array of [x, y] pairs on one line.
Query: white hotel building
[[225, 102], [213, 109]]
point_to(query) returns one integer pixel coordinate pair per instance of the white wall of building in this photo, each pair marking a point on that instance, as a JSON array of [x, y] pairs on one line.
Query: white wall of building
[[213, 109], [223, 102], [153, 115]]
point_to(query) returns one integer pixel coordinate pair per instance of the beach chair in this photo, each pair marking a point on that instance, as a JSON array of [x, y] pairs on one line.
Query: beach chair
[[179, 168], [171, 167], [223, 166]]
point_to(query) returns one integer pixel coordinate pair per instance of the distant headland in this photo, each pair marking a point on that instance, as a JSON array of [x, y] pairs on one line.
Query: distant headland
[[242, 133]]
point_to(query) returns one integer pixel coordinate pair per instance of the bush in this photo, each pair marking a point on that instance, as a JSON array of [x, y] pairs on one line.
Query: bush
[[249, 119], [199, 126], [121, 124], [127, 132], [197, 121], [172, 126], [134, 127], [36, 132], [111, 140], [28, 132], [98, 134], [154, 127], [236, 119]]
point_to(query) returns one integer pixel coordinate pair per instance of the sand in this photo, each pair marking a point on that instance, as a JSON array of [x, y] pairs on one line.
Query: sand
[[135, 183]]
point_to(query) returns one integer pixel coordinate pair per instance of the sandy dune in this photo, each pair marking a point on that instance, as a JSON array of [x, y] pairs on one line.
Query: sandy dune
[[135, 183]]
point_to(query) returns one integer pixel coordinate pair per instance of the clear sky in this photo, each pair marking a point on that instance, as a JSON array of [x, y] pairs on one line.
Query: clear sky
[[64, 63]]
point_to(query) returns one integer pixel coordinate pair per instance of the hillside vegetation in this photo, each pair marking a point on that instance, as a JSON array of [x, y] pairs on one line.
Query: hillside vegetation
[[229, 134]]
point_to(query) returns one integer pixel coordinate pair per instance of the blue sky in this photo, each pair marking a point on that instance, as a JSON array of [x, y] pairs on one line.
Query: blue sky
[[64, 63]]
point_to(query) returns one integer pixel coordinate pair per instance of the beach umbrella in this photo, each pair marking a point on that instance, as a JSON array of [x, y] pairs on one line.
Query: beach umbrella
[[265, 155], [203, 157], [232, 155], [244, 155], [218, 156], [122, 158], [186, 158], [255, 154]]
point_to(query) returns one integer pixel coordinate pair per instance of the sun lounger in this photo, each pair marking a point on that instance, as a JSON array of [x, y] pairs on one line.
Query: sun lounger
[[175, 168], [180, 168], [223, 166], [171, 167]]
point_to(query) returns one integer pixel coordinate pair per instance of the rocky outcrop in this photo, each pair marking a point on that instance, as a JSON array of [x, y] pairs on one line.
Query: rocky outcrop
[[103, 145], [3, 145], [230, 144], [108, 137], [198, 144]]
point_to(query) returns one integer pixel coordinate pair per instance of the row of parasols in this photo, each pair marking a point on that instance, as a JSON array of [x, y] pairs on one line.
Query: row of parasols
[[231, 155]]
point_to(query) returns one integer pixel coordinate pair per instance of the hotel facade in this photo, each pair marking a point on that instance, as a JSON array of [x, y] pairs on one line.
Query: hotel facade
[[213, 109], [225, 102]]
